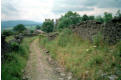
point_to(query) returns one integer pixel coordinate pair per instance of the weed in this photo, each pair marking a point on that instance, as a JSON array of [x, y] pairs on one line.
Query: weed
[[84, 59], [15, 61]]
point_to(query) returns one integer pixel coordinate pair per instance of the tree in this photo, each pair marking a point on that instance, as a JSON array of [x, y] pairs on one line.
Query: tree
[[7, 32], [73, 16], [64, 23], [48, 25], [37, 27], [91, 17], [68, 19], [19, 28], [85, 17], [107, 16], [99, 19], [118, 13]]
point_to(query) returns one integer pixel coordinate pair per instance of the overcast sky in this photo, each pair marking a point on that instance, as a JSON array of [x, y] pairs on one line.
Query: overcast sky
[[38, 10]]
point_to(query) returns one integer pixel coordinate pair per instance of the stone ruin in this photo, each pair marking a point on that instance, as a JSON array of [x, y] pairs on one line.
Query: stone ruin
[[87, 29], [111, 31], [52, 36]]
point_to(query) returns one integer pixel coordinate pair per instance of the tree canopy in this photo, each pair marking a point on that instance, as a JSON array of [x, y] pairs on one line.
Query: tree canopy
[[19, 28], [38, 27], [48, 25], [68, 19], [107, 16]]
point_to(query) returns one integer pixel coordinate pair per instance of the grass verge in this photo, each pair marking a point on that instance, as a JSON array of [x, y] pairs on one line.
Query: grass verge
[[86, 61], [15, 61]]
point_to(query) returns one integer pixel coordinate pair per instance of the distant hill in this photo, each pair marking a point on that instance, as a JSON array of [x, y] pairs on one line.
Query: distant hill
[[12, 23]]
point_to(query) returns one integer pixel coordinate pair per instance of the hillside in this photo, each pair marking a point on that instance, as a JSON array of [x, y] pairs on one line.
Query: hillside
[[12, 23]]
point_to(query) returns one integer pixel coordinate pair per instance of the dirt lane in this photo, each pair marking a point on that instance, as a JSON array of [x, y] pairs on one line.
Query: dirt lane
[[38, 67]]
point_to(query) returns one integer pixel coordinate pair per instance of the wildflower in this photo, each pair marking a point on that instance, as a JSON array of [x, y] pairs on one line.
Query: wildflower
[[87, 50], [94, 46]]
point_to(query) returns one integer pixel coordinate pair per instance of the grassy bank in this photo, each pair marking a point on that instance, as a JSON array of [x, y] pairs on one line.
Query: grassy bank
[[86, 61], [15, 61]]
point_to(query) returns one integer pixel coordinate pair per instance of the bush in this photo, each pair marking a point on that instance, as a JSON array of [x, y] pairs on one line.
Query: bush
[[14, 46], [64, 37], [15, 61], [7, 32]]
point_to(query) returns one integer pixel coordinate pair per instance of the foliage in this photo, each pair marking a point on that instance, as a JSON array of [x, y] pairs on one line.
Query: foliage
[[31, 31], [118, 14], [85, 17], [7, 32], [14, 46], [99, 19], [82, 58], [107, 16], [91, 17], [68, 19], [64, 23], [19, 28], [38, 27], [48, 25], [15, 61]]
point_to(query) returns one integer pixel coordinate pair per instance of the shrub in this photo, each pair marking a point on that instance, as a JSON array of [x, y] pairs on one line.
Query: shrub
[[64, 37], [14, 46], [7, 32], [15, 61]]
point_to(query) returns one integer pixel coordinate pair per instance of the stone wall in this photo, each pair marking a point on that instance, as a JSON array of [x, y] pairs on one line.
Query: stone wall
[[87, 29], [111, 31]]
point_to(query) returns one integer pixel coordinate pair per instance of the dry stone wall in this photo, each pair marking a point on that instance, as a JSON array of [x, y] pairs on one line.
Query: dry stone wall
[[110, 31], [87, 29]]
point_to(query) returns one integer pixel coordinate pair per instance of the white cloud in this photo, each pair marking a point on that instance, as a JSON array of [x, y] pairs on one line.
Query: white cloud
[[38, 10]]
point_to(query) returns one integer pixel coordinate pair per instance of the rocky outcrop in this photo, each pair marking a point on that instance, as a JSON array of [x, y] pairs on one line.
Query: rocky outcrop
[[52, 36]]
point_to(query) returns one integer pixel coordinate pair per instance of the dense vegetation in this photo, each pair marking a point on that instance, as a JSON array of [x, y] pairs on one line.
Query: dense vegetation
[[89, 61], [86, 61], [15, 53], [48, 25], [19, 28], [72, 18], [15, 60]]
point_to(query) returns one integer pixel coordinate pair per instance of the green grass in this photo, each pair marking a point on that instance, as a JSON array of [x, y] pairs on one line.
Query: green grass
[[9, 38], [12, 68], [84, 59]]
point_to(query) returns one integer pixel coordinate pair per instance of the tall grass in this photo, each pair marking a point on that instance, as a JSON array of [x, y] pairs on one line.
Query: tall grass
[[13, 66], [86, 61]]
